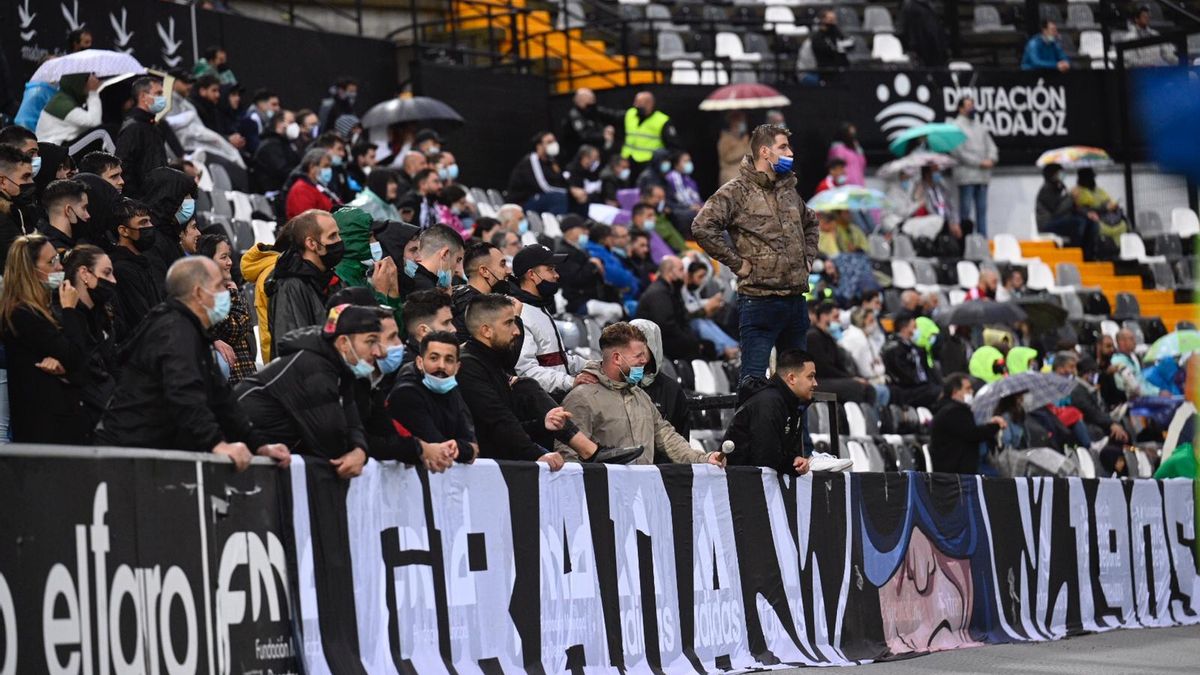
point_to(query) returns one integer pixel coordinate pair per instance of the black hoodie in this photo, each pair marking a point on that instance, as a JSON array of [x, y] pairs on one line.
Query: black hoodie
[[141, 147], [164, 190], [137, 289], [767, 429], [102, 201]]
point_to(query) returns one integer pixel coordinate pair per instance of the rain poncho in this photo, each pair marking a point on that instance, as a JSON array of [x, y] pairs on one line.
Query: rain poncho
[[354, 225]]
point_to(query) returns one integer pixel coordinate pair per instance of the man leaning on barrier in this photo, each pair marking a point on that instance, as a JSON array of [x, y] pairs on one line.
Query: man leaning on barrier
[[170, 393]]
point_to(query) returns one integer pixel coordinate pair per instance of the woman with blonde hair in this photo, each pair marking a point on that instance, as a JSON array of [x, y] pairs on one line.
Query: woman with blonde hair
[[45, 345]]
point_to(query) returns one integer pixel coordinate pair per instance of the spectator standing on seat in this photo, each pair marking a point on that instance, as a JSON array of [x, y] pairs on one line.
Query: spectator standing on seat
[[537, 182], [732, 145], [1056, 213], [615, 411], [139, 290], [955, 447], [977, 156], [761, 205], [1044, 51], [169, 392], [303, 277], [140, 143], [306, 395], [588, 123], [427, 404], [235, 334], [659, 382], [543, 357], [829, 45], [1139, 29], [581, 275], [647, 129], [309, 184], [768, 427], [663, 304], [913, 383]]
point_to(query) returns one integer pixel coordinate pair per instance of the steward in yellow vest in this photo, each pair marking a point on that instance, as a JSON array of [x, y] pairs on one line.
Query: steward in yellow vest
[[646, 129]]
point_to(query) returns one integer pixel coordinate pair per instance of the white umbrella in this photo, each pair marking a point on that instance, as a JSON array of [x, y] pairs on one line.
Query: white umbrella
[[913, 163], [100, 62]]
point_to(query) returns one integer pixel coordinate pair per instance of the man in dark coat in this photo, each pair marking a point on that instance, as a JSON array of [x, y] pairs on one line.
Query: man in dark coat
[[140, 144], [303, 277], [305, 396], [170, 393], [16, 191], [487, 272], [835, 371], [913, 382], [662, 303], [164, 192], [139, 289], [274, 159], [829, 45], [1099, 422], [427, 404], [587, 123], [921, 29], [536, 182], [954, 447], [581, 276]]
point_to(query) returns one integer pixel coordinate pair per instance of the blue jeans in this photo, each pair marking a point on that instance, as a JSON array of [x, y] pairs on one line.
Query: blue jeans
[[976, 195], [1077, 230], [763, 323], [708, 329], [548, 202]]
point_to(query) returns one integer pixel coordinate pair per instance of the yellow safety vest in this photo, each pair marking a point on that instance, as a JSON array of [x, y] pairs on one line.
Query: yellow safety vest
[[642, 138]]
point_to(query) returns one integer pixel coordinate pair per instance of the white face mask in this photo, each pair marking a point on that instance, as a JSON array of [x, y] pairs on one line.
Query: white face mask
[[968, 398], [293, 131], [552, 149]]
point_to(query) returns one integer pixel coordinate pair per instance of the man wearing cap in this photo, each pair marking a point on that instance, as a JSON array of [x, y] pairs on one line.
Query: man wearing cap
[[543, 357], [306, 396], [582, 275]]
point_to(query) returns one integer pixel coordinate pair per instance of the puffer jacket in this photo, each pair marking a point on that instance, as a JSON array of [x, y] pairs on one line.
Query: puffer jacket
[[768, 224], [978, 147], [619, 414], [296, 294], [257, 264]]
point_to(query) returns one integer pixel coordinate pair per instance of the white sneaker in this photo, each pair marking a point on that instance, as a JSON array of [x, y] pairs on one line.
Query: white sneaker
[[821, 461]]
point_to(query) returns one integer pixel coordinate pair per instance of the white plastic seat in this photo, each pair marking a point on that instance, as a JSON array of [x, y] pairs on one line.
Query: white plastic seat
[[705, 382], [886, 48], [712, 73], [957, 296], [1110, 328], [1185, 222], [1091, 44], [968, 274], [1087, 463], [903, 275], [782, 21], [1133, 248], [1007, 249], [729, 46], [551, 226], [856, 422], [684, 72], [858, 456], [1040, 278]]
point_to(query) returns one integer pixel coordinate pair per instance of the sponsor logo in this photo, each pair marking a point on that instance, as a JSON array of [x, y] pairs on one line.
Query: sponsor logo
[[903, 112]]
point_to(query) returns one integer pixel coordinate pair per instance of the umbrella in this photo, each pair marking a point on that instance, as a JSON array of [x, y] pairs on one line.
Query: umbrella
[[912, 163], [1040, 389], [744, 97], [101, 62], [1075, 157], [983, 312], [1044, 316], [847, 198], [410, 109], [1174, 344], [938, 137]]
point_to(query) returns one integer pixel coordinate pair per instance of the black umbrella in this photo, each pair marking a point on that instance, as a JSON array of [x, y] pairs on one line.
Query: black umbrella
[[1044, 315], [983, 312], [410, 109]]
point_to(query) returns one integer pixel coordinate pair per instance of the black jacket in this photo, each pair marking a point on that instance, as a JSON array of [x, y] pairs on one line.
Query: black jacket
[[905, 364], [826, 50], [956, 438], [585, 126], [483, 379], [382, 437], [662, 303], [524, 182], [141, 148], [767, 429], [296, 294], [433, 418], [138, 290], [46, 408], [273, 162], [102, 202], [305, 397], [1089, 405], [13, 224], [922, 32], [58, 239], [672, 404], [460, 297], [830, 360], [170, 393], [424, 280], [163, 191], [581, 280]]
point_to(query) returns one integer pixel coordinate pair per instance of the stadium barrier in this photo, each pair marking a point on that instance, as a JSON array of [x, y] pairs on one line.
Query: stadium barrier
[[144, 561]]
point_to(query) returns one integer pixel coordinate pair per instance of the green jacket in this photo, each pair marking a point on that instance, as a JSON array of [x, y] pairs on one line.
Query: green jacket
[[354, 225], [670, 235]]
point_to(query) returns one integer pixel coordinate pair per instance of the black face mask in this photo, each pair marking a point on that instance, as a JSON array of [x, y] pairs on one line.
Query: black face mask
[[547, 289], [502, 287], [25, 196], [333, 255], [104, 292], [693, 287], [676, 284], [146, 238]]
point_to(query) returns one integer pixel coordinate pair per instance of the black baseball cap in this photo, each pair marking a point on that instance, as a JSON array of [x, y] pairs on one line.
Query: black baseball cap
[[352, 319], [532, 256], [427, 135], [571, 221]]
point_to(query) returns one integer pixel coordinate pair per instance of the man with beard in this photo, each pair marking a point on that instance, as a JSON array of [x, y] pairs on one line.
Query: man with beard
[[543, 356], [303, 277], [487, 272]]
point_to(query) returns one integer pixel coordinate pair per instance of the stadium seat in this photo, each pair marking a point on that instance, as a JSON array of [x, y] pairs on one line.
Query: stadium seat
[[1049, 12], [902, 247], [1150, 223], [1068, 274], [818, 419], [878, 247], [495, 197], [1127, 307], [670, 48], [684, 72], [903, 275], [755, 43], [987, 20], [1079, 17], [878, 19], [535, 221], [1133, 248], [855, 420], [1040, 278], [1109, 328], [1091, 42], [551, 226], [1073, 305], [729, 46], [1086, 462], [960, 66], [957, 296], [968, 274], [976, 248], [1007, 249], [925, 273], [712, 73], [781, 20], [887, 49], [848, 19], [1169, 246], [572, 15], [705, 382], [1185, 222], [659, 19]]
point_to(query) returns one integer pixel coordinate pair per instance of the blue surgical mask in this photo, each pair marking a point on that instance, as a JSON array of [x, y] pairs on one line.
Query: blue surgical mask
[[635, 374], [37, 164], [55, 279], [624, 174], [391, 362], [325, 175], [523, 226], [186, 210], [649, 225], [410, 268], [583, 240], [661, 206], [620, 252], [689, 167], [835, 329], [337, 160], [813, 280], [439, 385], [444, 278], [222, 303], [782, 166], [376, 251], [361, 368], [448, 172], [159, 104], [664, 167]]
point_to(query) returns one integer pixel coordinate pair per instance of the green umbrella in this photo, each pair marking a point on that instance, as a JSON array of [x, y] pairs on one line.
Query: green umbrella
[[1174, 344], [847, 198], [939, 137]]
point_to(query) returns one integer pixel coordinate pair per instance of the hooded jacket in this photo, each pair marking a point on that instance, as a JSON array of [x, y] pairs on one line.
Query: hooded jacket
[[170, 393], [164, 190], [141, 147], [619, 414], [296, 293], [767, 428], [257, 265], [663, 388], [101, 228], [71, 112], [543, 358], [768, 224], [393, 239], [138, 290], [305, 397], [354, 226], [662, 304], [52, 155], [434, 418], [273, 161]]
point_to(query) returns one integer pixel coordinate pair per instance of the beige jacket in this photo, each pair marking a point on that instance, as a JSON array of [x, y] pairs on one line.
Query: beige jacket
[[619, 415]]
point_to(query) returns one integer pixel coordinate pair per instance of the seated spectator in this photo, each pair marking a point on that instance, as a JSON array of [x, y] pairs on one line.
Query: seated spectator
[[1130, 379], [1044, 51], [836, 176], [512, 219], [1014, 285], [106, 166], [306, 395], [425, 312], [439, 258], [16, 192], [1094, 202], [514, 417], [65, 203], [427, 404], [73, 111], [362, 162], [616, 412], [170, 195], [423, 199], [955, 446], [303, 277], [536, 182], [310, 185], [858, 341], [487, 272], [452, 208], [835, 372], [1085, 398], [830, 47], [1110, 394], [1139, 29], [839, 234], [379, 196], [335, 145], [656, 219], [638, 259], [683, 193], [543, 357], [234, 335], [768, 427], [275, 157], [655, 172], [583, 180], [582, 275], [364, 263], [169, 392], [606, 243], [659, 382], [614, 178], [206, 98], [702, 310], [662, 303], [913, 383], [1056, 213], [139, 289], [986, 289]]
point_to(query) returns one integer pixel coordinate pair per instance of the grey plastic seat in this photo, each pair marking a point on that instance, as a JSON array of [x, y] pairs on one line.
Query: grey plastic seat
[[1049, 12], [756, 43], [1163, 277], [1169, 245], [902, 248], [878, 247], [1150, 223], [662, 20], [1068, 274], [926, 272], [670, 47], [976, 248], [1073, 305], [1127, 307], [987, 20], [878, 19], [1079, 17], [848, 19]]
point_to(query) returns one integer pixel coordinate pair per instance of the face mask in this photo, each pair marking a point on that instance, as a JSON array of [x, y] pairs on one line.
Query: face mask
[[104, 292], [501, 287], [635, 375], [782, 166], [547, 289], [37, 164], [664, 167], [649, 225], [1047, 38], [582, 241], [594, 165], [552, 149], [916, 335], [222, 302], [333, 255], [361, 369], [336, 160], [444, 278], [24, 195], [292, 132], [439, 385], [159, 104], [54, 280], [145, 240], [624, 174], [376, 251], [186, 210], [523, 226], [813, 280], [620, 252], [325, 175], [410, 268], [688, 168], [840, 180], [443, 173], [391, 363], [835, 329], [661, 206], [968, 398], [433, 150]]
